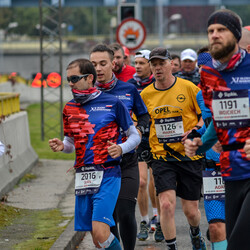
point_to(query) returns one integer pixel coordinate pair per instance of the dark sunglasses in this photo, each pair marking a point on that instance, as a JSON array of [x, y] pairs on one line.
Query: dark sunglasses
[[75, 79]]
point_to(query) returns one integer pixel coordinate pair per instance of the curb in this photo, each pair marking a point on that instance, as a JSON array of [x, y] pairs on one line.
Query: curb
[[69, 239]]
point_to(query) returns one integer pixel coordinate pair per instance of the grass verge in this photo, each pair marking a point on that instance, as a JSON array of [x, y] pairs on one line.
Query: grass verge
[[46, 229], [30, 229], [8, 215], [34, 229], [42, 147]]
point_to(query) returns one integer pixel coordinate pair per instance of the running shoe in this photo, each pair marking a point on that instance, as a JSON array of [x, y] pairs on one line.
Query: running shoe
[[158, 235], [198, 242], [152, 224], [143, 234]]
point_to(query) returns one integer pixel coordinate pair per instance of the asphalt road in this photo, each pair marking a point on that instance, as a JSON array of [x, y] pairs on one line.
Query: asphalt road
[[182, 227]]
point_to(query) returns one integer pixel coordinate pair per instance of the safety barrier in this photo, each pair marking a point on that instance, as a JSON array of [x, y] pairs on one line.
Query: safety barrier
[[14, 131], [9, 103]]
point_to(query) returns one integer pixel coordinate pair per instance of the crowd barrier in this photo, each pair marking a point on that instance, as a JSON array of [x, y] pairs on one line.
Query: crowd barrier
[[9, 103], [19, 156]]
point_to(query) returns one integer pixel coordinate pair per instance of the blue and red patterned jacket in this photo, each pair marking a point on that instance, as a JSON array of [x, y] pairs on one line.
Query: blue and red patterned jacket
[[92, 125], [227, 95]]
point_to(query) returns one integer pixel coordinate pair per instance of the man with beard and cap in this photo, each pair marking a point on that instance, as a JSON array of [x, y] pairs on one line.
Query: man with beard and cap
[[92, 121], [102, 57], [225, 83], [122, 71], [127, 59]]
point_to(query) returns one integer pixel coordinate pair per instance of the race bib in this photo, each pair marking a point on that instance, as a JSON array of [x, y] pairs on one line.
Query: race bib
[[88, 179], [169, 130], [213, 184], [231, 108]]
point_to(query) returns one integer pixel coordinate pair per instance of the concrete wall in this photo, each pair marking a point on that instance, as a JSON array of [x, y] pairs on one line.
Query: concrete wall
[[14, 131]]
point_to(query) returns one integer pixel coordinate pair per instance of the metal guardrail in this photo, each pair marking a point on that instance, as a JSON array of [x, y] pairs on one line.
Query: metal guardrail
[[84, 43], [9, 103]]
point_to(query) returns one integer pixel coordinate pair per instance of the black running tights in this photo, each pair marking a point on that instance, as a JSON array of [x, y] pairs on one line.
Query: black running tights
[[237, 214], [124, 214]]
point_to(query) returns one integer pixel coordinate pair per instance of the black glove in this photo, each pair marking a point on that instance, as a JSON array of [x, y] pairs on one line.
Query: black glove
[[193, 134]]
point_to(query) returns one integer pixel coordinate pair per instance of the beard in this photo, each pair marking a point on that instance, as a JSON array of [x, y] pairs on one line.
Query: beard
[[218, 54], [117, 68]]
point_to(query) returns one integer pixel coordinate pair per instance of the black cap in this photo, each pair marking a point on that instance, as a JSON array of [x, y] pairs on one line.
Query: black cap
[[160, 53], [228, 19]]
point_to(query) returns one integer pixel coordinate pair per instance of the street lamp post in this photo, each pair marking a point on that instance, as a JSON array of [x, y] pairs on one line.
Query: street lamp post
[[160, 20], [11, 25], [3, 36], [174, 17], [162, 23], [113, 24]]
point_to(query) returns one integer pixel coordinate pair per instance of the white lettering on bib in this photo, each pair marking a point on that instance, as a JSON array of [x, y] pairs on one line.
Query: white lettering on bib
[[214, 187], [88, 180], [169, 130], [231, 108]]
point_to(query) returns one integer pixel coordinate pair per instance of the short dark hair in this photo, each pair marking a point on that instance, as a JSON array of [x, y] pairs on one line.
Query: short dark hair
[[85, 67], [101, 47], [174, 56], [116, 46], [203, 49]]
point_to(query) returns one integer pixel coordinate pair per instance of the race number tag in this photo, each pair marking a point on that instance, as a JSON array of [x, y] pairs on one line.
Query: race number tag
[[214, 187], [88, 180], [169, 130], [231, 108]]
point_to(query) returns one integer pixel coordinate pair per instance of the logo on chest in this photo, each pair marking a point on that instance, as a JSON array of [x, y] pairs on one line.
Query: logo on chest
[[240, 80], [181, 98], [101, 109]]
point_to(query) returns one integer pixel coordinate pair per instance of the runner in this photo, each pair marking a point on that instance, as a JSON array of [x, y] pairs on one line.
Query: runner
[[102, 57], [189, 70], [214, 191], [91, 127], [225, 87], [122, 71], [173, 109], [141, 79]]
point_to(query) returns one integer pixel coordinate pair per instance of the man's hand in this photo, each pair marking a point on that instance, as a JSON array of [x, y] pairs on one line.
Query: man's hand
[[247, 148], [185, 135], [192, 146], [217, 147], [56, 145], [114, 150]]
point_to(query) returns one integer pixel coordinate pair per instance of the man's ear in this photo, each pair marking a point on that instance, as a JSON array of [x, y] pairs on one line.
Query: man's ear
[[90, 78], [113, 64]]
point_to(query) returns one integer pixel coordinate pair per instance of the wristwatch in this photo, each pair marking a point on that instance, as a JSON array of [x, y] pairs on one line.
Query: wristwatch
[[197, 126], [141, 129]]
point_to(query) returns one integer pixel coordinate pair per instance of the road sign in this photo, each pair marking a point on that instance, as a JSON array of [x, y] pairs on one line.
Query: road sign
[[131, 33]]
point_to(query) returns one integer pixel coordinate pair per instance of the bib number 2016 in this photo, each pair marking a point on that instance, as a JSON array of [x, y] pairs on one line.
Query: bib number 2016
[[88, 176]]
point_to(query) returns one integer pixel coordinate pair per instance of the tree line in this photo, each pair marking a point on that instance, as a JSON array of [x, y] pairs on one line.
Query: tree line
[[87, 21]]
